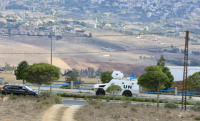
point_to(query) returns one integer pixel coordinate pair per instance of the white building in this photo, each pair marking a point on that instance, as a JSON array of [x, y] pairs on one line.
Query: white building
[[177, 71], [91, 25]]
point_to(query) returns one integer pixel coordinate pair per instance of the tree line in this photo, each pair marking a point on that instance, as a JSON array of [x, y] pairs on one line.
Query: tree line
[[89, 72]]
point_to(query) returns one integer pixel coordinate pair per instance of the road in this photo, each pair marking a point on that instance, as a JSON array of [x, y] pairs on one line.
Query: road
[[74, 102]]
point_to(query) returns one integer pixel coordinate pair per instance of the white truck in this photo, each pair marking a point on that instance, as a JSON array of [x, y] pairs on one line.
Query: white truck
[[129, 87]]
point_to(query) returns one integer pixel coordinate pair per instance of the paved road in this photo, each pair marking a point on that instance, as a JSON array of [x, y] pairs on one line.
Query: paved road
[[74, 102], [141, 95]]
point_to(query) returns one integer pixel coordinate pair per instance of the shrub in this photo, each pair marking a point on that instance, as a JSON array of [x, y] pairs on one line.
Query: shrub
[[108, 99], [45, 94], [97, 107], [133, 99], [197, 118], [64, 87], [124, 98], [153, 100], [141, 100], [118, 98], [13, 97], [53, 97], [171, 105], [46, 102], [39, 100], [22, 105], [167, 101], [126, 103], [92, 102], [196, 107], [146, 100], [57, 99], [174, 102], [133, 109], [2, 96], [160, 101], [189, 103]]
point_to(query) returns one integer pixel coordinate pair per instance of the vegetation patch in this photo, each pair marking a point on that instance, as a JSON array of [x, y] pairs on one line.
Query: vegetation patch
[[127, 112], [27, 108]]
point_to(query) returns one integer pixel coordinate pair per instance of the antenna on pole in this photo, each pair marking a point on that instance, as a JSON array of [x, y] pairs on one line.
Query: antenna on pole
[[184, 90]]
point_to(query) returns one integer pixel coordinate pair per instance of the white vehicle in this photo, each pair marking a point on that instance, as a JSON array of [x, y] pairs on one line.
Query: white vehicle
[[129, 87]]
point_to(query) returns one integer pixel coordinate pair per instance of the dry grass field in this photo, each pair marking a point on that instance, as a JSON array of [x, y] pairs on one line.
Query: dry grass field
[[11, 78], [25, 108], [98, 111], [127, 69], [67, 55]]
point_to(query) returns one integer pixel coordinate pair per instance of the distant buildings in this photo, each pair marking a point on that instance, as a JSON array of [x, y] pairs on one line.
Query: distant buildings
[[91, 25]]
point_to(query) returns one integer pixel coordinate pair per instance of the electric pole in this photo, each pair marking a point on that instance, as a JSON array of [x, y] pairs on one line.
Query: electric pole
[[184, 90]]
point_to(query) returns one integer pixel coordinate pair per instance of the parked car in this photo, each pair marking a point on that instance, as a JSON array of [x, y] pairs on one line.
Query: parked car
[[1, 69], [18, 89]]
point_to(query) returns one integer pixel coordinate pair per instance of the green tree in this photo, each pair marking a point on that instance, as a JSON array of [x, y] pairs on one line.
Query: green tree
[[106, 76], [113, 90], [193, 82], [19, 72], [73, 77], [166, 70], [41, 73], [153, 79]]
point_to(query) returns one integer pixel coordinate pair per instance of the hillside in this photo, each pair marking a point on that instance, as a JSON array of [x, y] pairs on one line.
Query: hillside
[[127, 69]]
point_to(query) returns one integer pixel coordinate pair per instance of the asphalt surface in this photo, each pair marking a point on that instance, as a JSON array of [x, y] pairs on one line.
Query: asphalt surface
[[74, 102]]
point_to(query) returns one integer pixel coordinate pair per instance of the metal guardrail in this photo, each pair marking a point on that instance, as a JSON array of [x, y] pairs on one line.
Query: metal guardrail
[[76, 85], [170, 91], [0, 80]]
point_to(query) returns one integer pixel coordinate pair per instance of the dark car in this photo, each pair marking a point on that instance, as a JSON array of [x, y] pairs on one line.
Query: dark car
[[18, 89]]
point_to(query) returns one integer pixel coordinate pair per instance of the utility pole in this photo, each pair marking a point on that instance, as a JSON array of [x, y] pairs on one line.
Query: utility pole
[[51, 53], [184, 90]]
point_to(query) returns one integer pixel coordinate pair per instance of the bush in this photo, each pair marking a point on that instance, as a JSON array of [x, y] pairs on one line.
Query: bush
[[167, 101], [141, 100], [133, 109], [124, 98], [92, 102], [196, 107], [118, 98], [197, 118], [45, 94], [2, 96], [108, 99], [64, 87], [153, 100], [160, 101], [170, 105], [189, 103], [13, 97], [147, 100], [46, 102], [133, 99], [54, 98]]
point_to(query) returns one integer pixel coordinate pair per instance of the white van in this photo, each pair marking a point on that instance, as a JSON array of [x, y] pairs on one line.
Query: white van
[[129, 87]]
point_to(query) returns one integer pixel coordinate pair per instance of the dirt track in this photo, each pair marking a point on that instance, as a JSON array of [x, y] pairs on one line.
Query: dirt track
[[60, 112]]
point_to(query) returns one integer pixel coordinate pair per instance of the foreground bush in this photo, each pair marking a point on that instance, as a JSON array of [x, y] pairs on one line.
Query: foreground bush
[[171, 105], [53, 97], [97, 111], [196, 107]]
